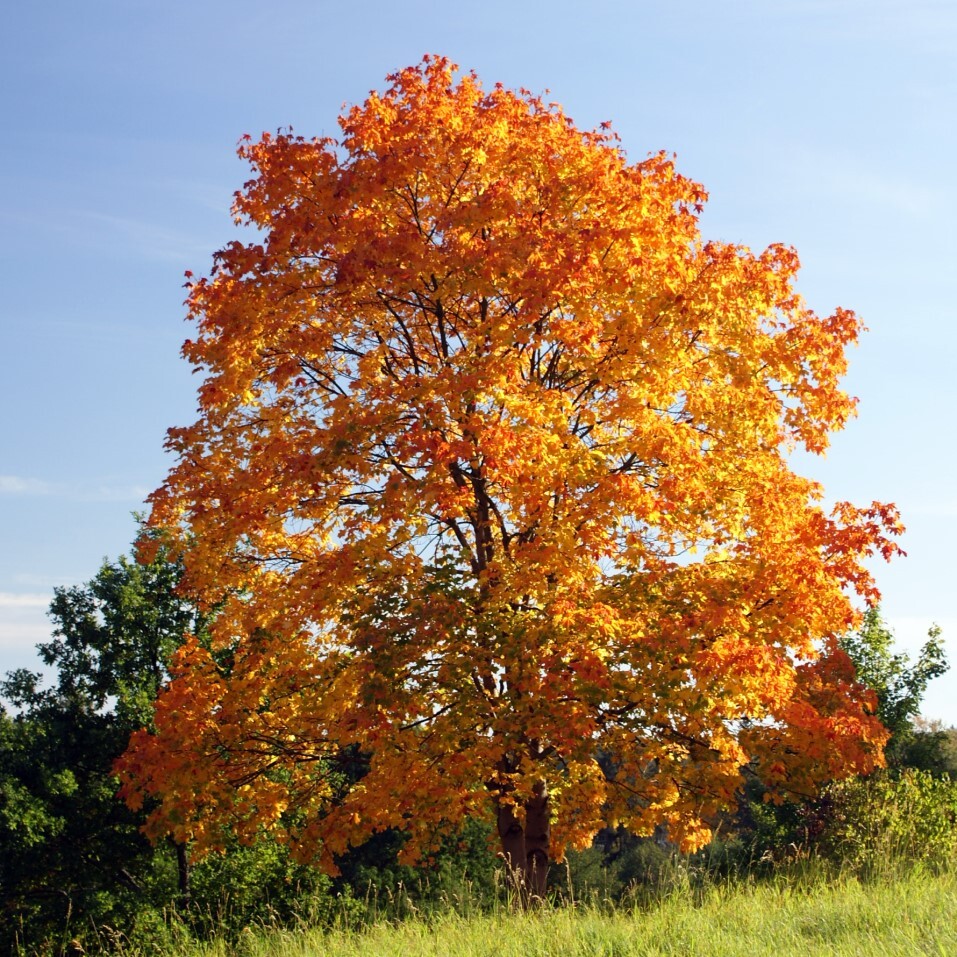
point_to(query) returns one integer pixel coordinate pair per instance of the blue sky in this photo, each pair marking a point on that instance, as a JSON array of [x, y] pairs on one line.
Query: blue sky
[[826, 124]]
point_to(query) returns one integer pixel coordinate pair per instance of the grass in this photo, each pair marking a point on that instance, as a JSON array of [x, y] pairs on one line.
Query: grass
[[909, 914]]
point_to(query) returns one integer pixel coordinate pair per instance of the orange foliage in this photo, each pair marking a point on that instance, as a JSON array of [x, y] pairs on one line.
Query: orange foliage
[[491, 484]]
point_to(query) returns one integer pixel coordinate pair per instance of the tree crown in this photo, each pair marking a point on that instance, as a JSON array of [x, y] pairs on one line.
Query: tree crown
[[491, 482]]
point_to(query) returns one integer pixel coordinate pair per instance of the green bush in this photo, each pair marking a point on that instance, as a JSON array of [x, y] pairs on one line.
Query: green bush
[[257, 885], [891, 818]]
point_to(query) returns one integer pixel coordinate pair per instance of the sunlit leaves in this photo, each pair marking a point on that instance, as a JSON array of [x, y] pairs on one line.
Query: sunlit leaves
[[490, 483]]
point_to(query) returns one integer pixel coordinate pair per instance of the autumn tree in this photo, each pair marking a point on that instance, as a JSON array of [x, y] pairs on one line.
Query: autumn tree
[[491, 486]]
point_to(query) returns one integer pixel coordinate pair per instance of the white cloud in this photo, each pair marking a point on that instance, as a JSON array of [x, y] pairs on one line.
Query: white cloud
[[23, 600], [23, 625], [18, 485]]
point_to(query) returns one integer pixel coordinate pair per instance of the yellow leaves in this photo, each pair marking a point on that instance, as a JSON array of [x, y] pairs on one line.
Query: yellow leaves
[[578, 807]]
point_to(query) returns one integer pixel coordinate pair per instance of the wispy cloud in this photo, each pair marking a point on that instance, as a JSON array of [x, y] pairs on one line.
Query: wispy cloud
[[82, 492], [208, 194], [23, 600], [91, 331], [49, 582], [894, 193], [18, 641], [121, 236], [930, 23], [913, 628], [924, 502], [18, 485], [115, 493], [910, 634], [941, 508], [845, 176], [23, 625], [149, 239]]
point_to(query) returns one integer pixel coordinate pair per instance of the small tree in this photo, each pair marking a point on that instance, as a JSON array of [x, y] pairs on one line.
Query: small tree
[[899, 685], [491, 478], [767, 831]]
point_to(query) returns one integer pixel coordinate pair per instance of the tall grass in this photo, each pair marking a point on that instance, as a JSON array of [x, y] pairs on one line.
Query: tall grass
[[812, 910], [880, 878]]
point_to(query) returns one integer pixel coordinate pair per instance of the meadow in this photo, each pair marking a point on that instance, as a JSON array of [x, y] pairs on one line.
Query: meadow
[[811, 910]]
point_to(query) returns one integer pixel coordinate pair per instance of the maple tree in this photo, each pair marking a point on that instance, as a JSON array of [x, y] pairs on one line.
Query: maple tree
[[490, 485]]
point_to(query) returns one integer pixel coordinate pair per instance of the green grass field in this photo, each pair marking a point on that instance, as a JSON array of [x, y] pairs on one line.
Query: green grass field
[[909, 915]]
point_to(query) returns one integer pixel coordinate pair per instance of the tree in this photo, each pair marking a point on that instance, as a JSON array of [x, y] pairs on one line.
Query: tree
[[491, 485], [70, 853], [899, 685]]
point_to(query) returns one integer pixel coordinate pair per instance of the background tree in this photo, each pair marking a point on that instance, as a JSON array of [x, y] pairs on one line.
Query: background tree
[[71, 854], [490, 478], [899, 684], [909, 812], [930, 746]]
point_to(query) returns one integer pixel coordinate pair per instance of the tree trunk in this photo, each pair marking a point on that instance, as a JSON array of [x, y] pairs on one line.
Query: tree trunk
[[182, 872], [525, 846]]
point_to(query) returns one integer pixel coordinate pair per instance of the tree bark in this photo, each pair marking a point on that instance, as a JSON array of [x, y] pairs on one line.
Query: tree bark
[[182, 873], [525, 846], [537, 839]]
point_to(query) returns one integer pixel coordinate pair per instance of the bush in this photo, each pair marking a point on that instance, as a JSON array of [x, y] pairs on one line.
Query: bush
[[891, 818]]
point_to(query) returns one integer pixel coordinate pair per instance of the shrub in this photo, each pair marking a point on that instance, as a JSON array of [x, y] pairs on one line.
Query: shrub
[[889, 818]]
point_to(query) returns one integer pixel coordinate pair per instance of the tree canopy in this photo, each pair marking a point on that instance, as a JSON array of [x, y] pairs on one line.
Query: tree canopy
[[491, 485]]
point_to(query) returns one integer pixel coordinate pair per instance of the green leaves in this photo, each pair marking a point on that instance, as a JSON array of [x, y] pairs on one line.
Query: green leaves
[[70, 851], [898, 684]]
